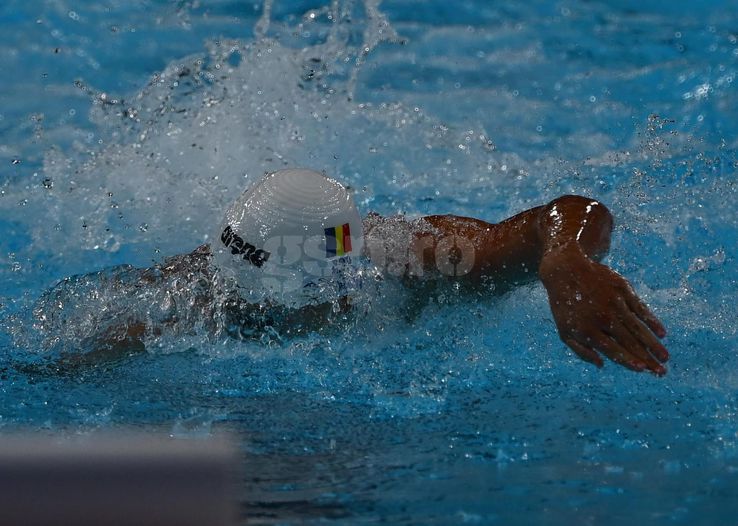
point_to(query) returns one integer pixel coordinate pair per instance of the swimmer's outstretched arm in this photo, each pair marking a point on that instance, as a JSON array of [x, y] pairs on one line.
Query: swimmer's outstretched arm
[[595, 309]]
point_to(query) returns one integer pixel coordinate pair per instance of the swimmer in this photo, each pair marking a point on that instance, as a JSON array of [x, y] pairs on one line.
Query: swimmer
[[292, 248]]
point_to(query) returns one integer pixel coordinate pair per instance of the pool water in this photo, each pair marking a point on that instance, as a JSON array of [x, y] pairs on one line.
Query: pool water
[[127, 127]]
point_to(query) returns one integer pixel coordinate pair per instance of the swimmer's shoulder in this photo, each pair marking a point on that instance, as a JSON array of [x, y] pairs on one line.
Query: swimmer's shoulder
[[391, 243], [192, 263], [371, 220], [399, 227]]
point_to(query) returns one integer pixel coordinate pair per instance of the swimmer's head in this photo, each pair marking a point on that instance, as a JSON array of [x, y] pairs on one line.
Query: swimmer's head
[[294, 237]]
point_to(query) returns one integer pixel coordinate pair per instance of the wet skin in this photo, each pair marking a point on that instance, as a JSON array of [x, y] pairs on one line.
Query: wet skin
[[596, 311]]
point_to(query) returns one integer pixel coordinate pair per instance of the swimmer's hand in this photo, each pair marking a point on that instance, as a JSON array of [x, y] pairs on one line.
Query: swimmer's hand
[[597, 311]]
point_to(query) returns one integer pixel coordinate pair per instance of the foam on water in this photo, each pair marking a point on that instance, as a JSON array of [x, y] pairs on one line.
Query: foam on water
[[203, 129], [207, 125], [450, 400]]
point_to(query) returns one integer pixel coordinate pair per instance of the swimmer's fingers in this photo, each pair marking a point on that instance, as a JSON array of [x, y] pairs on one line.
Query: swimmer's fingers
[[585, 353], [643, 334], [617, 353], [637, 351], [640, 309]]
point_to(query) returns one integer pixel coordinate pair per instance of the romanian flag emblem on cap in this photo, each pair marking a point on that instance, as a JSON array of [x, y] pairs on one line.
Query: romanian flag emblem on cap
[[337, 240]]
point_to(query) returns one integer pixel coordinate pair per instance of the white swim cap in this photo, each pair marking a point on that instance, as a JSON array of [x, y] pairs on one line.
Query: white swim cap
[[294, 237]]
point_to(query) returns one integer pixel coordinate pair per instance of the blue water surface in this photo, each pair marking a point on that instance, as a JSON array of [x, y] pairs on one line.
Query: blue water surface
[[126, 127]]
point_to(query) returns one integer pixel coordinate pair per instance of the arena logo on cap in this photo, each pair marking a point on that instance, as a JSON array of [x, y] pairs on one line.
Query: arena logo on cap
[[238, 246], [337, 240]]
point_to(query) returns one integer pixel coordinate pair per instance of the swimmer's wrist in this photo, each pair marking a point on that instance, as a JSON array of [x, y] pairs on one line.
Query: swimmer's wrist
[[568, 247], [564, 257]]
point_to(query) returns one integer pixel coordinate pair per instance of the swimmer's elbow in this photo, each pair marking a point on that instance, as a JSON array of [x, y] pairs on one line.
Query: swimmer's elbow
[[586, 220]]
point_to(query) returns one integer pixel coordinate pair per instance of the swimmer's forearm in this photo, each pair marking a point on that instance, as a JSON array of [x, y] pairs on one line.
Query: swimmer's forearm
[[119, 343], [128, 336]]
